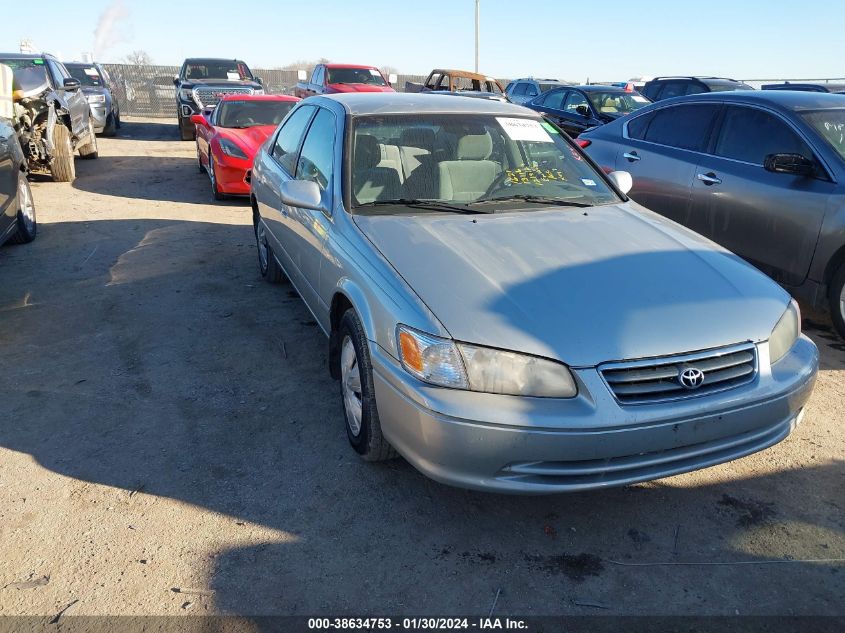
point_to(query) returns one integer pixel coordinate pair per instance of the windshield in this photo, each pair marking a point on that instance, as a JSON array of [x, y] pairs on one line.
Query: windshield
[[830, 124], [87, 75], [28, 74], [211, 69], [470, 159], [355, 76], [243, 114], [617, 102]]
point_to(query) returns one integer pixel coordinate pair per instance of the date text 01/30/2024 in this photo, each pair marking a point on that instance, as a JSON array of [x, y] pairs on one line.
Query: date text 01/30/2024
[[415, 624]]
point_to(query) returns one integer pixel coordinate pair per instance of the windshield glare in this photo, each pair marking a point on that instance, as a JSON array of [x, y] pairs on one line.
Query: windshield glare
[[617, 102], [27, 74], [241, 114], [355, 76], [232, 71], [87, 75], [830, 124], [468, 159]]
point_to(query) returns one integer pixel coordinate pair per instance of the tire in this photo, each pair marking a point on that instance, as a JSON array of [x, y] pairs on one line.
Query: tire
[[62, 167], [215, 192], [836, 297], [187, 134], [357, 394], [26, 222], [199, 162], [89, 150], [111, 125], [267, 264], [117, 122]]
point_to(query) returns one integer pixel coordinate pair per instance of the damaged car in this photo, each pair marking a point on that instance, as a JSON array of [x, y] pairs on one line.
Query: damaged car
[[98, 91], [50, 115]]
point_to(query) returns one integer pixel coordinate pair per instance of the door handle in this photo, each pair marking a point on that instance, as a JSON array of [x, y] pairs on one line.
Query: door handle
[[631, 156], [709, 179]]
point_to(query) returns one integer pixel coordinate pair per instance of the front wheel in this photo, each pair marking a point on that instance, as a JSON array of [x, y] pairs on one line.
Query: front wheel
[[62, 167], [267, 264], [89, 150], [836, 297], [363, 428], [215, 190], [26, 224]]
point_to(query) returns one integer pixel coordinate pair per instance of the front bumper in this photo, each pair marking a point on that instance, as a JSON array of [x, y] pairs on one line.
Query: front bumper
[[231, 174], [99, 115], [538, 445]]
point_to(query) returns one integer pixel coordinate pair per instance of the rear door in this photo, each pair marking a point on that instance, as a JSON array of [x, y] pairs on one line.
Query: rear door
[[8, 177], [661, 149], [772, 220]]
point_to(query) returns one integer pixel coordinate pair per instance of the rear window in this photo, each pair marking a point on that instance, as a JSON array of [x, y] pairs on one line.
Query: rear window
[[682, 126]]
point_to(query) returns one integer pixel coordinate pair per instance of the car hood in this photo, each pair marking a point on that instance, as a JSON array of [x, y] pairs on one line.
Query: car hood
[[94, 90], [359, 88], [223, 83], [250, 139], [583, 286]]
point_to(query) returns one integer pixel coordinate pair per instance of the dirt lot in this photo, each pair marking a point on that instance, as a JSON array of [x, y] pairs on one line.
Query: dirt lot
[[171, 443]]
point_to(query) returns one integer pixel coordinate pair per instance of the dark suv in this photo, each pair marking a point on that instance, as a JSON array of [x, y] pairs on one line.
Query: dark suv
[[661, 88], [202, 81]]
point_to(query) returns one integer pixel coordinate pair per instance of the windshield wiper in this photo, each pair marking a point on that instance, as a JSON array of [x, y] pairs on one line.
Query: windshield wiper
[[559, 202], [417, 203]]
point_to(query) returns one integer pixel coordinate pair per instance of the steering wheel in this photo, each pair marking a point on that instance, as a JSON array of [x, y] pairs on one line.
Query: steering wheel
[[502, 181]]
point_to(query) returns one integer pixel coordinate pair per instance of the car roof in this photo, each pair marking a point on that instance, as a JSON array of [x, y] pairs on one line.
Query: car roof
[[195, 60], [463, 73], [364, 103], [811, 84], [363, 66], [785, 100], [600, 88], [243, 97], [24, 55]]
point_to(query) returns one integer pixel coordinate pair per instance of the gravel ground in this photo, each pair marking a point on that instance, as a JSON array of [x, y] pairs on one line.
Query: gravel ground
[[171, 443]]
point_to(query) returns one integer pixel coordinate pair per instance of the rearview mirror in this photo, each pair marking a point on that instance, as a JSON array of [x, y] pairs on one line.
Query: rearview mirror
[[795, 164], [259, 81], [392, 79], [622, 179], [71, 84], [301, 75], [304, 194], [198, 119]]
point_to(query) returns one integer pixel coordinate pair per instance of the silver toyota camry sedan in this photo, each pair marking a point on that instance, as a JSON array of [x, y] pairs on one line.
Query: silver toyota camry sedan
[[501, 315]]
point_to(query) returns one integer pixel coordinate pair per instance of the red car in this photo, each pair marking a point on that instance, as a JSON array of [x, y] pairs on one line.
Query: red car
[[331, 78], [228, 137]]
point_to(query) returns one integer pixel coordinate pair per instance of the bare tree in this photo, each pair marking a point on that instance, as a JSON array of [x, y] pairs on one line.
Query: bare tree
[[139, 58], [389, 70]]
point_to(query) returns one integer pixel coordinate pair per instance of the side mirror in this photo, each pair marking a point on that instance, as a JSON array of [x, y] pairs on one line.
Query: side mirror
[[71, 84], [583, 110], [622, 179], [304, 194], [392, 79], [795, 164], [301, 75], [198, 119], [175, 79], [259, 81]]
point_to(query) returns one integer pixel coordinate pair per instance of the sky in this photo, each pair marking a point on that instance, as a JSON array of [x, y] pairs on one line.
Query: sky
[[610, 40]]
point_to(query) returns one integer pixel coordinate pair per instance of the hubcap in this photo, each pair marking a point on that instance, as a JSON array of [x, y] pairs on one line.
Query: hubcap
[[27, 207], [350, 384], [842, 303], [211, 173], [261, 238]]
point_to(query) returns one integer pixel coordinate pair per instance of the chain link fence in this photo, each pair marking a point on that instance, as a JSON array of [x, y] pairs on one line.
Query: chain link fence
[[148, 91]]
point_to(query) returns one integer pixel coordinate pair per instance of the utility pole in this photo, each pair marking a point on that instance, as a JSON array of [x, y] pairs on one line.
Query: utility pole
[[477, 9]]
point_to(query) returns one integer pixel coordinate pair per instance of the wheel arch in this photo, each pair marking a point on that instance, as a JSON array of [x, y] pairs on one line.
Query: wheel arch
[[347, 295], [833, 264]]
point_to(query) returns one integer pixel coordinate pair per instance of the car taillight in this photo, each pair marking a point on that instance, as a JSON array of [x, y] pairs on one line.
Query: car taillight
[[629, 87], [583, 142]]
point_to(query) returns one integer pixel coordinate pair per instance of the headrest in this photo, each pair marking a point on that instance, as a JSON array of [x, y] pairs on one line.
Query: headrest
[[475, 147], [367, 151], [422, 137]]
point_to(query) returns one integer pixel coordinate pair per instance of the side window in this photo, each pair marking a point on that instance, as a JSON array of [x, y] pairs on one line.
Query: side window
[[531, 90], [695, 88], [289, 138], [317, 156], [638, 126], [432, 82], [674, 89], [55, 75], [651, 91], [682, 126], [554, 100], [749, 135], [520, 88], [574, 100]]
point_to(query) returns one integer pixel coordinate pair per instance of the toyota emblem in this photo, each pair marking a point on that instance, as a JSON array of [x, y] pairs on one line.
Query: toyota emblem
[[691, 378]]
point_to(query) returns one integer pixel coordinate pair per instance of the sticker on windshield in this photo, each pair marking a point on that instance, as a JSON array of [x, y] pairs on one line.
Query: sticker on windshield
[[533, 176], [589, 182], [524, 130], [232, 76], [38, 62], [374, 72], [639, 99], [549, 127], [91, 72]]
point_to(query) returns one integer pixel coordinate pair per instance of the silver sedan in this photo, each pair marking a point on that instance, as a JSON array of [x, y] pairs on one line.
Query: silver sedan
[[501, 315]]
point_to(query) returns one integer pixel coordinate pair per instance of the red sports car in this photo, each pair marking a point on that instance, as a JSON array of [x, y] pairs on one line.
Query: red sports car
[[229, 136]]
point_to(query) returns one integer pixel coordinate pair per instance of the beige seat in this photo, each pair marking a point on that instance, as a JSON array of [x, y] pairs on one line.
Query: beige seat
[[369, 181], [469, 177], [609, 105]]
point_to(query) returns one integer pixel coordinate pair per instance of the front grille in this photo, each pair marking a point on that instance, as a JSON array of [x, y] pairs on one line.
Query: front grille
[[208, 97], [659, 379]]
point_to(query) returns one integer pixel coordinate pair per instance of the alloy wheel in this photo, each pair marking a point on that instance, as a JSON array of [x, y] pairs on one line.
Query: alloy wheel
[[26, 204], [350, 384], [263, 250]]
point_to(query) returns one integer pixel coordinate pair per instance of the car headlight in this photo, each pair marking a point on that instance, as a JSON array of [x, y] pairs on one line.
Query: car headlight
[[461, 366], [96, 98], [786, 332], [258, 91], [230, 149]]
